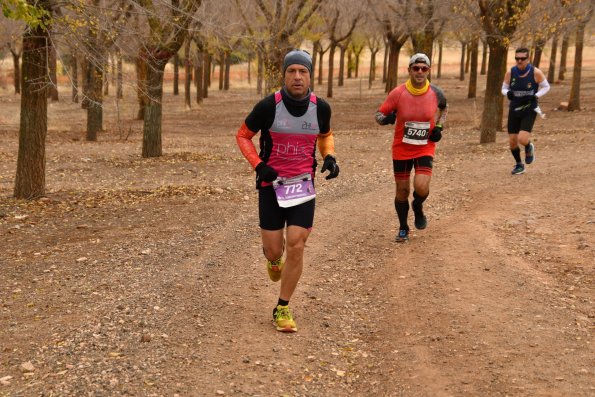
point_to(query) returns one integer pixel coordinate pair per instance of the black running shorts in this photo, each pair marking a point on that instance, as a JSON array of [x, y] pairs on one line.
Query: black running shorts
[[402, 168], [521, 121], [273, 217]]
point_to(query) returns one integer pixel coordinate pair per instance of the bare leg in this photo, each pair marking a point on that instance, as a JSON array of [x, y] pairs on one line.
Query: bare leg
[[272, 243], [294, 262], [421, 184]]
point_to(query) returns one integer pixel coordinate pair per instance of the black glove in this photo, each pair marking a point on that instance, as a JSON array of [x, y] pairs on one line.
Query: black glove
[[390, 118], [436, 134], [529, 99], [510, 95], [264, 173], [330, 164]]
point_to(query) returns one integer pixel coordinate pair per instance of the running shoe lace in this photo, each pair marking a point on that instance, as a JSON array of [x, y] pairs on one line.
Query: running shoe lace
[[283, 313]]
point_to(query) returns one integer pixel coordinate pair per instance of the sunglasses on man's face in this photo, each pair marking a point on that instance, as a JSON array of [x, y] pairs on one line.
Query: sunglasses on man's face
[[520, 58], [420, 68]]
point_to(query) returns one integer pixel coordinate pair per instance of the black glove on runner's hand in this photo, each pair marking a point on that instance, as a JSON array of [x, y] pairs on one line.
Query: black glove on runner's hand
[[436, 134], [510, 95], [390, 118], [527, 100], [265, 173], [330, 164]]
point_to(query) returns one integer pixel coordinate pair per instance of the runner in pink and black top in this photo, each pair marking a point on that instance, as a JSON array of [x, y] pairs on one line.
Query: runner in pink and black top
[[289, 130], [292, 122]]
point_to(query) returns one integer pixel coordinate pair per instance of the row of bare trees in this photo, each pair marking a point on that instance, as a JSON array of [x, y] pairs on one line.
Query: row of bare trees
[[151, 33]]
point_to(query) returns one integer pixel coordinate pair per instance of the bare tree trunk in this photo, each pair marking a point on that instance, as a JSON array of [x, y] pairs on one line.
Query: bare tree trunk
[[113, 68], [320, 65], [385, 62], [187, 75], [206, 82], [221, 71], [85, 80], [105, 68], [484, 57], [74, 78], [95, 107], [16, 56], [199, 77], [468, 60], [341, 81], [273, 64], [551, 71], [153, 108], [315, 61], [176, 62], [372, 74], [141, 86], [227, 70], [440, 48], [331, 69], [474, 46], [349, 63], [119, 76], [491, 120], [53, 91], [357, 61], [195, 67], [259, 74], [539, 43], [30, 172], [96, 75], [574, 103], [462, 66], [249, 69], [563, 55], [393, 64]]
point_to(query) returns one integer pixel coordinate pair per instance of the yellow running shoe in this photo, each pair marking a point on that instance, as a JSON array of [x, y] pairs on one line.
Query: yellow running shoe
[[274, 268], [283, 319]]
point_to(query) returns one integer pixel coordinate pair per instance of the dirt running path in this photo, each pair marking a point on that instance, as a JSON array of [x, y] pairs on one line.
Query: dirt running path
[[146, 278]]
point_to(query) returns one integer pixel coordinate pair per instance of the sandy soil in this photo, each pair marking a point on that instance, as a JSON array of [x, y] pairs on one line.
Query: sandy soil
[[146, 277]]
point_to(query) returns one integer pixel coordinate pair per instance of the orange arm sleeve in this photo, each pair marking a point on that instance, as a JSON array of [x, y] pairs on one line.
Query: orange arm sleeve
[[244, 140], [326, 144]]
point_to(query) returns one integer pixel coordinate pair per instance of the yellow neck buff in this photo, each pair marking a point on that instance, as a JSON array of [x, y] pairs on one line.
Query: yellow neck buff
[[417, 91]]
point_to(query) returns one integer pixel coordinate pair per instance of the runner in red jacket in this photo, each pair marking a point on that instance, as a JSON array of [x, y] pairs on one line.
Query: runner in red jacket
[[415, 106]]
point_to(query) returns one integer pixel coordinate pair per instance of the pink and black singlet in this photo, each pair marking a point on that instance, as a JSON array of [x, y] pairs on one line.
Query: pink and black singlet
[[289, 130]]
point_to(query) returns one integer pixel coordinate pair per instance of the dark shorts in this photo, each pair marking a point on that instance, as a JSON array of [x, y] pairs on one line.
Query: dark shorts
[[521, 121], [273, 217], [402, 168]]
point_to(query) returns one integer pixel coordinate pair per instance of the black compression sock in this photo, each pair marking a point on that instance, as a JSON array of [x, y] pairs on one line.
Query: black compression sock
[[417, 201], [282, 302], [516, 153], [402, 208]]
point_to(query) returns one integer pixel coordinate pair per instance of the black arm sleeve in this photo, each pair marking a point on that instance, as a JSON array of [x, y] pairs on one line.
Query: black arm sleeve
[[262, 115], [323, 112], [440, 96]]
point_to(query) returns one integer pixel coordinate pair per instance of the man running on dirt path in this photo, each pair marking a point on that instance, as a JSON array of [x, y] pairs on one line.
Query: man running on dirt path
[[414, 105], [292, 121], [523, 85]]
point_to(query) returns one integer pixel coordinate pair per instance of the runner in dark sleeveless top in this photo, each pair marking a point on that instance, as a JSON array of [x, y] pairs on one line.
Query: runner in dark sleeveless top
[[524, 84], [292, 123]]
